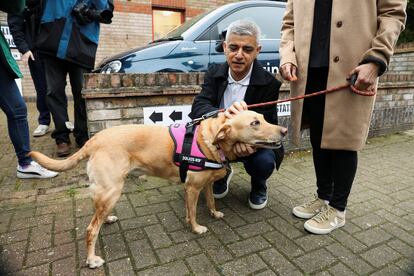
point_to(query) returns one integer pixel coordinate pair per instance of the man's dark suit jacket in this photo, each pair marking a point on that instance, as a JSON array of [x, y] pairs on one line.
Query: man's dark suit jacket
[[263, 87]]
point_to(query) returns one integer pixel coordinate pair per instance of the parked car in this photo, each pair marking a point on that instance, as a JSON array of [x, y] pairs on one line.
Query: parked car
[[195, 45]]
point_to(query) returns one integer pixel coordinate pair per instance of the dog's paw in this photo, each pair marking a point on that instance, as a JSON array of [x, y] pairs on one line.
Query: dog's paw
[[111, 219], [199, 229], [95, 261], [217, 214]]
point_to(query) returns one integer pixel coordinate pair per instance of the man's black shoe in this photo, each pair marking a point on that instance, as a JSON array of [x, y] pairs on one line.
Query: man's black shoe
[[63, 149], [258, 198], [221, 187]]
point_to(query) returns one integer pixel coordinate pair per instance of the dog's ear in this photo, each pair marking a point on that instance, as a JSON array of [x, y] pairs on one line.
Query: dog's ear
[[222, 133]]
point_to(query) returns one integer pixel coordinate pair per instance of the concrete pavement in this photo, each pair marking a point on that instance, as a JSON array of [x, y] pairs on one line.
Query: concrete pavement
[[43, 222]]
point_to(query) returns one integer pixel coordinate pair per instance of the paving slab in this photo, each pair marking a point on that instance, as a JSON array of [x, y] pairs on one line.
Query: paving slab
[[43, 222]]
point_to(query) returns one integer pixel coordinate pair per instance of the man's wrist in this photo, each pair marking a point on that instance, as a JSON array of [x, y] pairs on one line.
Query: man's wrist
[[382, 67]]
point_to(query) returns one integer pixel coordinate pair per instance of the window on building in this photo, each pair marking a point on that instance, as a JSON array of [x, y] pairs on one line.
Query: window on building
[[163, 21]]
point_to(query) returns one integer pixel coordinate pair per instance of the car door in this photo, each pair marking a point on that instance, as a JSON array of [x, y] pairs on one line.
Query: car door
[[189, 56], [268, 18]]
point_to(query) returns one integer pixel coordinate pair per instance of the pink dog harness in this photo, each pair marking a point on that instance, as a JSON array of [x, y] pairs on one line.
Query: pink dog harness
[[187, 153]]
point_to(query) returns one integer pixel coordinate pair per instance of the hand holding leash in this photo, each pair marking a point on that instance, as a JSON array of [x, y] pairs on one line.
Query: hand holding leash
[[288, 72], [366, 77]]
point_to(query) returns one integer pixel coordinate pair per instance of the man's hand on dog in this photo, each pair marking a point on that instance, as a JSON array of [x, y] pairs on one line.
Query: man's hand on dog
[[239, 149], [243, 150], [235, 108]]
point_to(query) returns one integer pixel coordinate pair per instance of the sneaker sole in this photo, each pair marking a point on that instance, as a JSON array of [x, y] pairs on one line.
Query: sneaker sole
[[28, 176], [300, 214], [257, 206], [40, 134], [322, 231], [218, 196]]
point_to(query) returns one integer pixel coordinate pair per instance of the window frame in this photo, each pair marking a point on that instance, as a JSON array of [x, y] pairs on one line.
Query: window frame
[[163, 8]]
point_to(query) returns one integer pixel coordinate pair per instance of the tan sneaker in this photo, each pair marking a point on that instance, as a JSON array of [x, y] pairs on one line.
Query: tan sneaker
[[309, 209], [326, 221]]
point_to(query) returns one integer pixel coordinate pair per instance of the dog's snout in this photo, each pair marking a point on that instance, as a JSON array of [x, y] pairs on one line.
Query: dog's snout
[[283, 131]]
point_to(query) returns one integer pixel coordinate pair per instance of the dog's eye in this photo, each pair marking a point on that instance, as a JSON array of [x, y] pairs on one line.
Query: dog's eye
[[255, 123]]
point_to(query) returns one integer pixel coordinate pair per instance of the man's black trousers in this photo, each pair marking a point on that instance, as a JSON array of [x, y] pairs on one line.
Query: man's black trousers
[[335, 169], [56, 71]]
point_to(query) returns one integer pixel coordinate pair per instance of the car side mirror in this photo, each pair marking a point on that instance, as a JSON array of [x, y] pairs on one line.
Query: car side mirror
[[219, 46], [219, 43]]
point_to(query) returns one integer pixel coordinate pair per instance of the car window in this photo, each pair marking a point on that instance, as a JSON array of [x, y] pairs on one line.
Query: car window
[[268, 18], [179, 30]]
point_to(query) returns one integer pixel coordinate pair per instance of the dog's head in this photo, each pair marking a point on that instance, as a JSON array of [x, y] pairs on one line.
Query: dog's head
[[251, 128]]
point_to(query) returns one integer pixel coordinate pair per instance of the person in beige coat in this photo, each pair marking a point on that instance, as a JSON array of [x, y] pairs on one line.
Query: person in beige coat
[[323, 43]]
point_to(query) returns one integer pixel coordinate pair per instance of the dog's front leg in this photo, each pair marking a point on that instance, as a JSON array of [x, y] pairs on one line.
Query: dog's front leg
[[191, 195], [211, 204]]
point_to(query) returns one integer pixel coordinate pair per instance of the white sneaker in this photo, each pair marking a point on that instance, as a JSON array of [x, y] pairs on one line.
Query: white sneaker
[[69, 125], [34, 170], [326, 221], [40, 130], [310, 209]]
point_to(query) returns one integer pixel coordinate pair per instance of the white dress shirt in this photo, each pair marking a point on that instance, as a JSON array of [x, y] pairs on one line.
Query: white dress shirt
[[235, 90]]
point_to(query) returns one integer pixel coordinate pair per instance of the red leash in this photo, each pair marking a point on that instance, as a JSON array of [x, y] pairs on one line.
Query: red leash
[[353, 89]]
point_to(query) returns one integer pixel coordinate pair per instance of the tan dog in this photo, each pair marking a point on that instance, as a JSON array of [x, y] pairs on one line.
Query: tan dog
[[115, 151]]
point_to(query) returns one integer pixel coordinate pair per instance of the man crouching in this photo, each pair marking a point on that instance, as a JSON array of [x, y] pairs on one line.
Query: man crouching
[[239, 82]]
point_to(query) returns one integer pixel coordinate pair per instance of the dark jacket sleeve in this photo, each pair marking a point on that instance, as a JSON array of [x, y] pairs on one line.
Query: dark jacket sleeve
[[207, 100], [14, 6], [17, 25]]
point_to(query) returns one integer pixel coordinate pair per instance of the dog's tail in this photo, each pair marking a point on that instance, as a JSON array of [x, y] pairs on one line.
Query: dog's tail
[[60, 165]]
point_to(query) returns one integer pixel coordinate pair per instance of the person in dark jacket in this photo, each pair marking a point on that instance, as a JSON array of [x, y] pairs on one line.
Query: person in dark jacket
[[68, 40], [233, 85], [13, 105], [24, 27]]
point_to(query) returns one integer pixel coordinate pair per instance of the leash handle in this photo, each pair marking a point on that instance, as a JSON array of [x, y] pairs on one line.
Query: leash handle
[[352, 80]]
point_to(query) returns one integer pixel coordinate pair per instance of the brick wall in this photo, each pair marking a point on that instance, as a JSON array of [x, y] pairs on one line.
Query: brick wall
[[394, 106], [402, 63], [119, 98]]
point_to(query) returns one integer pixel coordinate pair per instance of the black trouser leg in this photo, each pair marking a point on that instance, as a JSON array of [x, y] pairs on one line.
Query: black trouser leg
[[314, 113], [76, 81], [344, 169], [335, 169], [56, 70], [37, 71], [260, 166]]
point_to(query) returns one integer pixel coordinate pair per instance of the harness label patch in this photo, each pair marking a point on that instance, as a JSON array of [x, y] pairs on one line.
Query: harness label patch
[[191, 159]]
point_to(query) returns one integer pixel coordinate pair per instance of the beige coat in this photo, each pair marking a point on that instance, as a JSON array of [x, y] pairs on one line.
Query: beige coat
[[359, 29]]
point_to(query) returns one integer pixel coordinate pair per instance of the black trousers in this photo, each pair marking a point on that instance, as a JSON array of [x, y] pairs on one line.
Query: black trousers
[[37, 71], [261, 164], [56, 71], [335, 169]]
